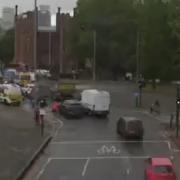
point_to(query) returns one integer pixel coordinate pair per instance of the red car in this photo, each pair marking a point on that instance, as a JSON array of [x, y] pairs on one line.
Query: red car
[[55, 106], [160, 169]]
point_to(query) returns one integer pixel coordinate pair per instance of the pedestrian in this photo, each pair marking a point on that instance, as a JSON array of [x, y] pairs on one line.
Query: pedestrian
[[151, 108], [157, 105], [43, 103], [37, 115]]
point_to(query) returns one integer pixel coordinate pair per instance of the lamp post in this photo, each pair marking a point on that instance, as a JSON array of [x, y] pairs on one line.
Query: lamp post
[[177, 111], [94, 54], [35, 35], [138, 57], [83, 28], [50, 50]]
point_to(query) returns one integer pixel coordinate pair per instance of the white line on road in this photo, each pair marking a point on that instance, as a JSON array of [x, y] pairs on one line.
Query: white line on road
[[61, 124], [176, 150], [43, 168], [85, 167], [169, 146], [108, 141], [99, 157], [127, 171]]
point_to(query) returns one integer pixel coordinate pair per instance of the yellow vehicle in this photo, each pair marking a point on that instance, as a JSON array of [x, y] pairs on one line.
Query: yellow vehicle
[[10, 94], [66, 89], [25, 78]]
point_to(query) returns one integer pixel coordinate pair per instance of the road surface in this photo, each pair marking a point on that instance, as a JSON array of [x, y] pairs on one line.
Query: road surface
[[90, 148]]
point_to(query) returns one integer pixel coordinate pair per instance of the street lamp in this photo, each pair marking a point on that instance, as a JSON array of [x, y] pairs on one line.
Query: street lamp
[[94, 52], [35, 35], [177, 111], [50, 50], [138, 57]]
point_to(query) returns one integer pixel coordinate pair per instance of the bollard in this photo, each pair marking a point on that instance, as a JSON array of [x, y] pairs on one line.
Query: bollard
[[171, 120], [136, 95]]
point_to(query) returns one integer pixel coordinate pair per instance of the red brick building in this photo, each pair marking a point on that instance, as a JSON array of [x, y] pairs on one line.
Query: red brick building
[[52, 50]]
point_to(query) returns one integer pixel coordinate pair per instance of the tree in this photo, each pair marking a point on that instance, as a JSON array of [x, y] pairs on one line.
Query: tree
[[7, 46], [118, 24], [156, 50], [174, 23], [114, 22]]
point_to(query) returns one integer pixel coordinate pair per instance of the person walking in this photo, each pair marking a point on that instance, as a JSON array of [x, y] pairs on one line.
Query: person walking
[[42, 113]]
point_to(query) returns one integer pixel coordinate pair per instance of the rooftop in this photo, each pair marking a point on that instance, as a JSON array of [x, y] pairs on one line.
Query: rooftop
[[161, 161]]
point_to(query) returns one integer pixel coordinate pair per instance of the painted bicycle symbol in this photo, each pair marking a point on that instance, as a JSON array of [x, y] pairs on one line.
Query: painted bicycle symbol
[[106, 150]]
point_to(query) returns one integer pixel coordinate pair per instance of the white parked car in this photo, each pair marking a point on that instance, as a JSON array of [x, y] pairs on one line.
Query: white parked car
[[27, 89], [129, 76], [96, 102]]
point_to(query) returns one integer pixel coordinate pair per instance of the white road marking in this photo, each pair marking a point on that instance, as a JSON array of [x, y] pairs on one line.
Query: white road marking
[[169, 146], [85, 167], [99, 157], [176, 150], [43, 168], [61, 124], [108, 149], [108, 141], [127, 171]]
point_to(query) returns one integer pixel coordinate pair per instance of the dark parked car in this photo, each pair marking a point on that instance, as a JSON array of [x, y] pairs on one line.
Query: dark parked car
[[130, 127], [72, 109]]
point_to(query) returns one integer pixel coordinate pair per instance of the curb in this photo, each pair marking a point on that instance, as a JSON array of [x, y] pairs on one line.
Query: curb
[[28, 165], [176, 141]]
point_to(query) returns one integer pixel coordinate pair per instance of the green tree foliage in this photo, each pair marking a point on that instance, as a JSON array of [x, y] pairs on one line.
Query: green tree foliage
[[116, 33], [7, 46], [117, 23], [157, 42], [174, 23]]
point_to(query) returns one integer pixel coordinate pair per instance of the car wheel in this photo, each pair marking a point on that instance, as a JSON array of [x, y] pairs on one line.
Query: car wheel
[[90, 113], [18, 103], [117, 130], [5, 102], [145, 176], [140, 138]]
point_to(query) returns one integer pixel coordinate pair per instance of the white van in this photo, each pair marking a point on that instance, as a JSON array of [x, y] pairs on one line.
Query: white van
[[96, 102]]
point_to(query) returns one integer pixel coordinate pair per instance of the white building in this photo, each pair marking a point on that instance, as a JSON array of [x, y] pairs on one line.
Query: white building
[[7, 18], [44, 15], [44, 7]]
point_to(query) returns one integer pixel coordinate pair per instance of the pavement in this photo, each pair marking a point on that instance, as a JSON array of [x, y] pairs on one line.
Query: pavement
[[90, 148], [19, 138]]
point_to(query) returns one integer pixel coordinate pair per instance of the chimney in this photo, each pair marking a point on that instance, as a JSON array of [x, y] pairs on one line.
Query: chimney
[[16, 11], [74, 12], [59, 10], [58, 15]]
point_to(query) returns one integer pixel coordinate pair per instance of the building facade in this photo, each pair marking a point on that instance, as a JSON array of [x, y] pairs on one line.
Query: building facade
[[44, 15], [52, 52]]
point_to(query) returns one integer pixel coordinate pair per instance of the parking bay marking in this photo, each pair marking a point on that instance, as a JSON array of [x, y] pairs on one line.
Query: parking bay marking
[[85, 167], [106, 141], [110, 149], [87, 162]]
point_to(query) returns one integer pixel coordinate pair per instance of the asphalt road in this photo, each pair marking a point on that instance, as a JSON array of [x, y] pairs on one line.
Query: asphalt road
[[90, 148]]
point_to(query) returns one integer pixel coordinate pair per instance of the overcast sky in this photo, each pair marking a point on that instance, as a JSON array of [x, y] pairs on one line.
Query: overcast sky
[[67, 5]]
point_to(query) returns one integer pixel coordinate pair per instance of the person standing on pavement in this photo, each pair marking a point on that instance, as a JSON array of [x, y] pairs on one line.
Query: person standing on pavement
[[42, 113], [36, 115]]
